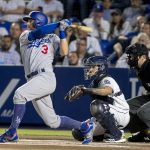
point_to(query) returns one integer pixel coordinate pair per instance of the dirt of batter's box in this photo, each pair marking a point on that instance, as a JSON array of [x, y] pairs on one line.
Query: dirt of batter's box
[[40, 144]]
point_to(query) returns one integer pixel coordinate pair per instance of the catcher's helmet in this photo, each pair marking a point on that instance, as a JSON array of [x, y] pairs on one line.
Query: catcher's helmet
[[133, 52], [95, 66], [40, 18]]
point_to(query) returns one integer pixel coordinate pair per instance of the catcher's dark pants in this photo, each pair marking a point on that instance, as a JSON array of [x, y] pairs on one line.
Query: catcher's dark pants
[[139, 113]]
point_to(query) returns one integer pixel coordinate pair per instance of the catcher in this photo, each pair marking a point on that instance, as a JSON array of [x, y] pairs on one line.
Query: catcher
[[109, 109]]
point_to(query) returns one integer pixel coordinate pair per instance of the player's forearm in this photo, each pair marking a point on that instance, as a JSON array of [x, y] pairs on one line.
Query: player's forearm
[[63, 41], [63, 47], [98, 91], [42, 31]]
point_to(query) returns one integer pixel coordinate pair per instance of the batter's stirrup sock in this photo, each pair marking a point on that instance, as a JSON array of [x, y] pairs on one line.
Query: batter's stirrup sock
[[19, 110], [69, 123]]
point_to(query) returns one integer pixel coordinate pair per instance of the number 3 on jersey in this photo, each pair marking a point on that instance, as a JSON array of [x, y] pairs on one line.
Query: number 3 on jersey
[[44, 49]]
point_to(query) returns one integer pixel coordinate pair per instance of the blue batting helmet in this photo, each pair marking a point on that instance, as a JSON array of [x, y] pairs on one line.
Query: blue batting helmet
[[40, 18], [91, 62]]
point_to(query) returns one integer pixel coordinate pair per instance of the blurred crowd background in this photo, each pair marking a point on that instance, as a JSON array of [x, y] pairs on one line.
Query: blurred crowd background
[[100, 27]]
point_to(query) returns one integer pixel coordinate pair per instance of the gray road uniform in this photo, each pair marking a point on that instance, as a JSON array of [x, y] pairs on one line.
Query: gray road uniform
[[37, 49], [116, 102], [37, 57]]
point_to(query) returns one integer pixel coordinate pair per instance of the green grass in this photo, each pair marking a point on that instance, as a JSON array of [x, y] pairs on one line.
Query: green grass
[[40, 132], [45, 132]]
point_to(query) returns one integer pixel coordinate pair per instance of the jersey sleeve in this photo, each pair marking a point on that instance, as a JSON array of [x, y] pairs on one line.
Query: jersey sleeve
[[105, 82], [110, 82], [56, 42], [24, 37]]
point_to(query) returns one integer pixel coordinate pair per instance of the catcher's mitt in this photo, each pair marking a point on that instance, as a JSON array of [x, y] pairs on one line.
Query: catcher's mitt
[[74, 93]]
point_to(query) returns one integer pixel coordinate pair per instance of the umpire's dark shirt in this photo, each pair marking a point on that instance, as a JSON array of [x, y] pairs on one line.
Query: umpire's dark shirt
[[144, 75]]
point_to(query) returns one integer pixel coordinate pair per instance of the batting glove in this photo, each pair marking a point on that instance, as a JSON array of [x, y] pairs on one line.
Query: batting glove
[[64, 24]]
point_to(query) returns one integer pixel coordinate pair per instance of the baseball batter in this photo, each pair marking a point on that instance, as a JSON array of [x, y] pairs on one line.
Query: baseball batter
[[38, 48]]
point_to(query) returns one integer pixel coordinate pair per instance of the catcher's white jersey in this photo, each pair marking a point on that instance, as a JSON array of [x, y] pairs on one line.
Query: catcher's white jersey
[[119, 108], [119, 100], [38, 54]]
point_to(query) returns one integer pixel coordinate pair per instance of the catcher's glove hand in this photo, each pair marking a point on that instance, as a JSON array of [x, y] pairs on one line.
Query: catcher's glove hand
[[74, 93]]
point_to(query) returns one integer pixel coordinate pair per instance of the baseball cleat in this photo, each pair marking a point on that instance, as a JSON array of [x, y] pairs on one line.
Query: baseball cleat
[[77, 135], [87, 129], [8, 136], [110, 139], [139, 137]]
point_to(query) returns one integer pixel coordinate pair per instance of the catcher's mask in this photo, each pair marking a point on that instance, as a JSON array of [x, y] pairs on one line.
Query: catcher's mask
[[134, 52], [95, 66]]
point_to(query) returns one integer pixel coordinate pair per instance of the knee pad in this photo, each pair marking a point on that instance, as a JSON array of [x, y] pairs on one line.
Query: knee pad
[[18, 97], [99, 108]]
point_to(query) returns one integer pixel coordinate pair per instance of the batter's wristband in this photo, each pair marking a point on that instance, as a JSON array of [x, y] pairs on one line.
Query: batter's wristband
[[62, 34]]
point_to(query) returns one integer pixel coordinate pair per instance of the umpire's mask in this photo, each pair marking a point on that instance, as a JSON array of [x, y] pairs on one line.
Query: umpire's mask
[[134, 52]]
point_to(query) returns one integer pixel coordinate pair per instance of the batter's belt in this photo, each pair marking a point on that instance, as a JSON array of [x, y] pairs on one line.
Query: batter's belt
[[34, 73]]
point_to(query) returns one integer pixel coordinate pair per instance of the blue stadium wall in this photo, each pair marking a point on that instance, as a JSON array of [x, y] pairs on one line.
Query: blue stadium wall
[[12, 77]]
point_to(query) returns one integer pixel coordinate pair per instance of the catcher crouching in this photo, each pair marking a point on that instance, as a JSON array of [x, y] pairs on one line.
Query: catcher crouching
[[109, 109]]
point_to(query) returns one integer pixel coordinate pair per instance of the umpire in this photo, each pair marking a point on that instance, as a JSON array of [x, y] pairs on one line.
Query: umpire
[[137, 58]]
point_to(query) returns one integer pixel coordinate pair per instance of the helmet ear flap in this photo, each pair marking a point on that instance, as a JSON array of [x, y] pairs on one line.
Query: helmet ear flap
[[36, 23]]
